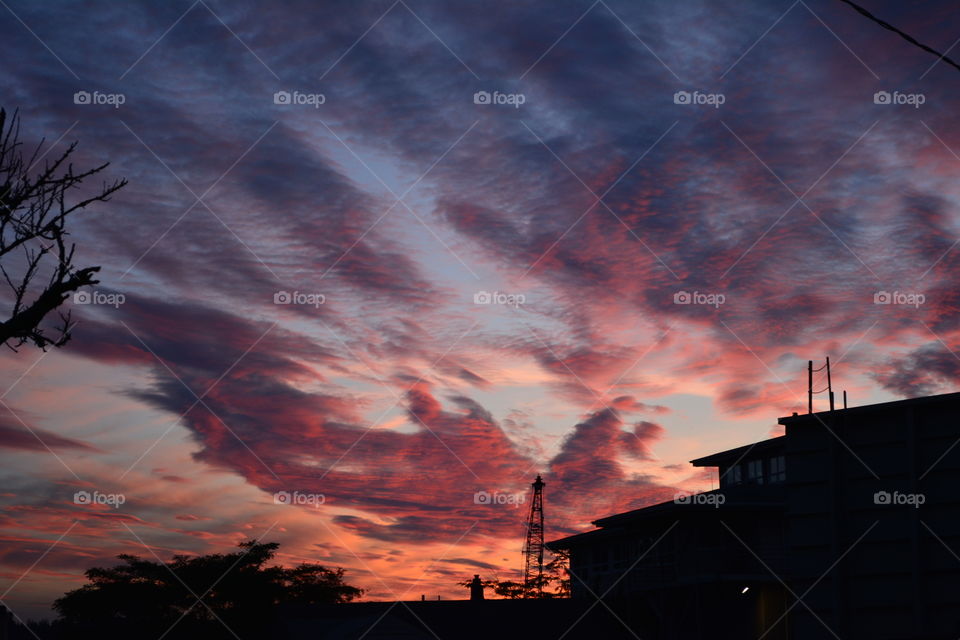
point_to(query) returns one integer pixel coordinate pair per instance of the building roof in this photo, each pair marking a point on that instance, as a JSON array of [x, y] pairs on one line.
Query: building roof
[[742, 497], [872, 408], [586, 536], [732, 455], [746, 497]]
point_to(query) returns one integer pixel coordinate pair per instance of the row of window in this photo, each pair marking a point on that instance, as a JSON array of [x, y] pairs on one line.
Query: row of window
[[760, 471]]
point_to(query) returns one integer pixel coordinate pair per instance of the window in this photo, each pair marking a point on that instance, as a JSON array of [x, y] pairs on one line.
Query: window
[[778, 469], [755, 472], [734, 475]]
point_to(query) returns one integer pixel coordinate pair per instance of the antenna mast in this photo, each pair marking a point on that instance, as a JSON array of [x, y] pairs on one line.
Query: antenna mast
[[828, 388], [829, 384], [533, 547]]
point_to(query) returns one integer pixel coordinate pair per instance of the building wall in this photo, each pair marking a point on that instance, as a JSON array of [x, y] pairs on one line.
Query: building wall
[[867, 538], [898, 580], [691, 582]]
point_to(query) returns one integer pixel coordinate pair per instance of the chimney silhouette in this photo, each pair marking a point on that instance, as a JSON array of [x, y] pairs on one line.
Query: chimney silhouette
[[476, 588]]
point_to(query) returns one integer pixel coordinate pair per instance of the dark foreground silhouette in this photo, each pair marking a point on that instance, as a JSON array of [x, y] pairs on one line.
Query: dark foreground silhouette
[[213, 596]]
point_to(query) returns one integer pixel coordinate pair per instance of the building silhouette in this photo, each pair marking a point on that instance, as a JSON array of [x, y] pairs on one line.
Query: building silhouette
[[848, 526]]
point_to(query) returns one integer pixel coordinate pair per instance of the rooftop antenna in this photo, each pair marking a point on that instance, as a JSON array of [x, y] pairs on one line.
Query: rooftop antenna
[[829, 384], [828, 388], [533, 547]]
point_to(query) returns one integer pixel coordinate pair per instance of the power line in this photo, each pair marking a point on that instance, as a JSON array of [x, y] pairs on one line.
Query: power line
[[905, 36]]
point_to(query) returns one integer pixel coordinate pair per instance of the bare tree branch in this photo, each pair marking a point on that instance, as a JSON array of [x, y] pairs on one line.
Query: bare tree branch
[[33, 233]]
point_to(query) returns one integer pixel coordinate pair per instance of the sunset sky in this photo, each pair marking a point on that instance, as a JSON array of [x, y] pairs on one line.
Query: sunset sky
[[676, 206]]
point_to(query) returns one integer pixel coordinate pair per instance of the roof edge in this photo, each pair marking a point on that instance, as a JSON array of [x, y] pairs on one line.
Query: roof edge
[[879, 406]]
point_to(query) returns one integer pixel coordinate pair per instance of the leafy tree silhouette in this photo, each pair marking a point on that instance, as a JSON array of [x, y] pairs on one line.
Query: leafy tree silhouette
[[212, 596], [555, 573], [36, 261]]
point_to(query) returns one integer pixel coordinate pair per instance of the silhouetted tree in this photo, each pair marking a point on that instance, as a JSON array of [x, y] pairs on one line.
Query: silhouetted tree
[[237, 591], [556, 574], [36, 261], [13, 628]]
